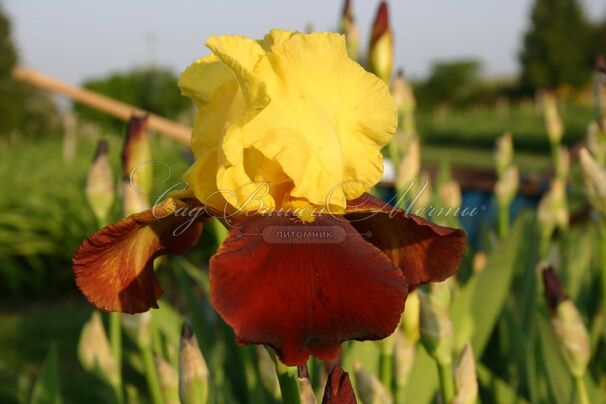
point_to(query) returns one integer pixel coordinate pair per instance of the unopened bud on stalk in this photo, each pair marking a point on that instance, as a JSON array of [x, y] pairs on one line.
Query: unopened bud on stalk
[[466, 381], [94, 351], [138, 327], [553, 208], [100, 184], [410, 317], [169, 381], [350, 29], [370, 390], [567, 324], [136, 167], [503, 153], [479, 262], [596, 142], [410, 165], [507, 186], [425, 196], [338, 388], [404, 352], [380, 54], [436, 327], [405, 103], [562, 168], [267, 372], [193, 372], [594, 178], [450, 194], [553, 123], [306, 391]]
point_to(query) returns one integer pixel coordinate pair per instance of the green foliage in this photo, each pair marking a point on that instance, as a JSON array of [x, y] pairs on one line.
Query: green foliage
[[10, 102], [47, 390], [556, 46], [153, 89], [455, 82]]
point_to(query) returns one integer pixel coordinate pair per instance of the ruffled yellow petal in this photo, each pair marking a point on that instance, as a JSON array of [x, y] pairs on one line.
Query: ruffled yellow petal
[[275, 37], [204, 78], [298, 115], [327, 121], [241, 54]]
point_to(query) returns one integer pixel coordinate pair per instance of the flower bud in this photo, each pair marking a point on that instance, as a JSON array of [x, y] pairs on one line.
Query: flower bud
[[267, 372], [479, 262], [594, 178], [562, 168], [410, 165], [193, 372], [567, 325], [138, 327], [381, 53], [409, 323], [436, 327], [503, 153], [169, 381], [350, 29], [596, 142], [94, 351], [425, 197], [466, 381], [137, 171], [553, 123], [553, 208], [370, 390], [338, 388], [100, 184], [507, 186], [405, 103], [404, 352], [450, 194], [306, 391]]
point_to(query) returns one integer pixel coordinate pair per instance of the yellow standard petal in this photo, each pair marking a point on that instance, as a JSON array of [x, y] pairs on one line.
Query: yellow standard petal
[[298, 123]]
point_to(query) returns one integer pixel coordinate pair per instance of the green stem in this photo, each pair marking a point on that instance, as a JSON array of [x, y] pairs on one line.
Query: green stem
[[503, 221], [153, 383], [394, 154], [386, 369], [581, 390], [287, 378], [446, 382], [115, 336]]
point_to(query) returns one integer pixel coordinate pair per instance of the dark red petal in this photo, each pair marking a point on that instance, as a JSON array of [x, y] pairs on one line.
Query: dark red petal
[[114, 266], [338, 388], [302, 295], [425, 251]]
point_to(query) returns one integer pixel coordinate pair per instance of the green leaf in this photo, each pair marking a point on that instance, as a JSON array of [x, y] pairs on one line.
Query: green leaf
[[481, 300], [495, 387], [46, 389]]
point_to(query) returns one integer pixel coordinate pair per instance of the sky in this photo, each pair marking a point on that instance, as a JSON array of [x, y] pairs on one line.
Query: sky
[[77, 39]]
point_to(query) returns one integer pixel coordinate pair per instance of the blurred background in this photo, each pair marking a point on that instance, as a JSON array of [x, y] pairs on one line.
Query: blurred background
[[471, 71]]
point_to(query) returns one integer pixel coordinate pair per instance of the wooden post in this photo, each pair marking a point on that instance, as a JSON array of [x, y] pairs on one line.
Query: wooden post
[[103, 103]]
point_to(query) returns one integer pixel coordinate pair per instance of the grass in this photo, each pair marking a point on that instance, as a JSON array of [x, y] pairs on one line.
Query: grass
[[478, 128]]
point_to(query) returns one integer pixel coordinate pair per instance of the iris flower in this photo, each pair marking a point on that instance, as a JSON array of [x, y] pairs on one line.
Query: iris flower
[[287, 143]]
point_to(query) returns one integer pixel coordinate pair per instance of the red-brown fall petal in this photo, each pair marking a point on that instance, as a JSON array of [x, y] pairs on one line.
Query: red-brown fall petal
[[304, 295], [338, 388], [114, 266], [424, 251]]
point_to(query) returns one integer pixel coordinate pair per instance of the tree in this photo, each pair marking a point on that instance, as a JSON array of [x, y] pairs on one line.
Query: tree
[[153, 89], [10, 102], [556, 46], [456, 82]]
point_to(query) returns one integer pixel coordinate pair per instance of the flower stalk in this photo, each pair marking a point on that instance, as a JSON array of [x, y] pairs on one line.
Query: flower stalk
[[437, 334], [288, 379]]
